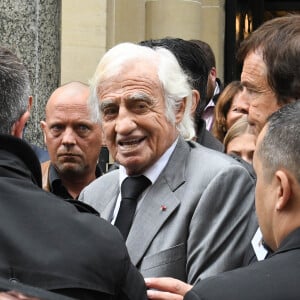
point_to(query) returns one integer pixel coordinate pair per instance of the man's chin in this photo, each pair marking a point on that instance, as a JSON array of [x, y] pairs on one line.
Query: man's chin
[[70, 169], [133, 166]]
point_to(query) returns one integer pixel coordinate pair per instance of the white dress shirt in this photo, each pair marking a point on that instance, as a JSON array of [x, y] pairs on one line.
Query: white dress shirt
[[208, 113], [152, 174]]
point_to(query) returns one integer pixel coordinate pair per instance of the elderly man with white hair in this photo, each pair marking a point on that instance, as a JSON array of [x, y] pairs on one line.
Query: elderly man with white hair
[[191, 219]]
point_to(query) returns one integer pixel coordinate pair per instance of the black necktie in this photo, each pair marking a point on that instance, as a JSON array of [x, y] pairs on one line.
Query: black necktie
[[131, 189]]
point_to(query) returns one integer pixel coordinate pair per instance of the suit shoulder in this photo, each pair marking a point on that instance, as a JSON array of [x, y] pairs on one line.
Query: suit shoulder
[[267, 279], [209, 156], [99, 187], [105, 179], [208, 161]]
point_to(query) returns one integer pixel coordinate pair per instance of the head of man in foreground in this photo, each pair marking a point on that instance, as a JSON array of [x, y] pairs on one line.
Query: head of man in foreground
[[277, 164]]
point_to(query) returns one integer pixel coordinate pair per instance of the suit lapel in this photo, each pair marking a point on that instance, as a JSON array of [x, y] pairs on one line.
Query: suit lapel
[[158, 204], [107, 204]]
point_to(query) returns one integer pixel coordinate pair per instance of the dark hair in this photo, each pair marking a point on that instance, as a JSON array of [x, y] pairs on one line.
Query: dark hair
[[209, 54], [14, 89], [190, 57], [279, 42], [192, 60], [281, 143]]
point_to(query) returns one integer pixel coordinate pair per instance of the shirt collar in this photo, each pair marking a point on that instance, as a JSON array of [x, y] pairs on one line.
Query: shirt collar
[[217, 89], [211, 102], [56, 186]]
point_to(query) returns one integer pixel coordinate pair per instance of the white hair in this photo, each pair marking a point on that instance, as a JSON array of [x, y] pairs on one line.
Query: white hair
[[172, 79]]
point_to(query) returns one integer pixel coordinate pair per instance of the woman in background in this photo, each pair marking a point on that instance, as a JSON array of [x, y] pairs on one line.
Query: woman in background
[[230, 107], [239, 141]]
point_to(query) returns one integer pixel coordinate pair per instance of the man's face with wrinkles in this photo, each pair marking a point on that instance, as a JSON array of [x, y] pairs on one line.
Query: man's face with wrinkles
[[262, 100], [134, 122]]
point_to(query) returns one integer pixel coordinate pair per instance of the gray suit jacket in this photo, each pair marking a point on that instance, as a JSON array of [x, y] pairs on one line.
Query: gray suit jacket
[[203, 230]]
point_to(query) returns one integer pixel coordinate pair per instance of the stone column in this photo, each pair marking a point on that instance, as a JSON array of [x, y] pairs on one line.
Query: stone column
[[125, 21], [137, 20], [31, 29], [173, 18], [213, 30], [189, 19], [83, 38]]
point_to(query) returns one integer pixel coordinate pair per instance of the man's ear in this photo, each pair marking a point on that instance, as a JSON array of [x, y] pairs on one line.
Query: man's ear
[[213, 72], [181, 110], [195, 101], [43, 125], [283, 189], [18, 127]]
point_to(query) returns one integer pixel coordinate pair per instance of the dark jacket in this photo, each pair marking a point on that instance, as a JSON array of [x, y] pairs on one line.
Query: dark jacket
[[11, 285], [275, 278], [205, 138], [47, 243]]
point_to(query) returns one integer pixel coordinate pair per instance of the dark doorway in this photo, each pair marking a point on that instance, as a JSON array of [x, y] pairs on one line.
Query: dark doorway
[[244, 16]]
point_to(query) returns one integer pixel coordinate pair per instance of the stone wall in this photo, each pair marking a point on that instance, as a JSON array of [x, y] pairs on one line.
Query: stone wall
[[31, 29]]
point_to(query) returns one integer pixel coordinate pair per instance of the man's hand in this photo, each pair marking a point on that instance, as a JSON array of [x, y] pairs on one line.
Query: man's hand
[[12, 295], [166, 288]]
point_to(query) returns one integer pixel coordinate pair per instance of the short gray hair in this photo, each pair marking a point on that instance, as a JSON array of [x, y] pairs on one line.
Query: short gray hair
[[280, 146], [14, 89]]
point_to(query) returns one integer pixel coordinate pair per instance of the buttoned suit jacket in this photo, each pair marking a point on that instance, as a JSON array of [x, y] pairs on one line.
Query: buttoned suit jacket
[[193, 221], [275, 278]]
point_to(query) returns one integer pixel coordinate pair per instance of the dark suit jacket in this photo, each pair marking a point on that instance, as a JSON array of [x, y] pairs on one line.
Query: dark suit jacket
[[47, 243], [276, 278], [208, 198], [205, 138]]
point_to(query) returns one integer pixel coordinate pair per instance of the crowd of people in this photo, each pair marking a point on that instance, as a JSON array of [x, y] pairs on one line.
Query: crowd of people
[[204, 192]]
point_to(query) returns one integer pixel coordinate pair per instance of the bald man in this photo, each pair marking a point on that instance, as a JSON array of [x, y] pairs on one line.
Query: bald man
[[73, 141]]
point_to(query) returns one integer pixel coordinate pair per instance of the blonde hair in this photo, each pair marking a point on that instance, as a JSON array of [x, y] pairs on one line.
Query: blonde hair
[[240, 127]]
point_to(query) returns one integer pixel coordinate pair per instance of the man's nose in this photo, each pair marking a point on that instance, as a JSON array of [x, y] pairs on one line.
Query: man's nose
[[246, 100], [125, 121], [69, 137]]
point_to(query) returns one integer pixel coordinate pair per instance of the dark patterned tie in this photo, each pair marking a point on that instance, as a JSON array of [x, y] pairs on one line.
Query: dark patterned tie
[[131, 189]]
